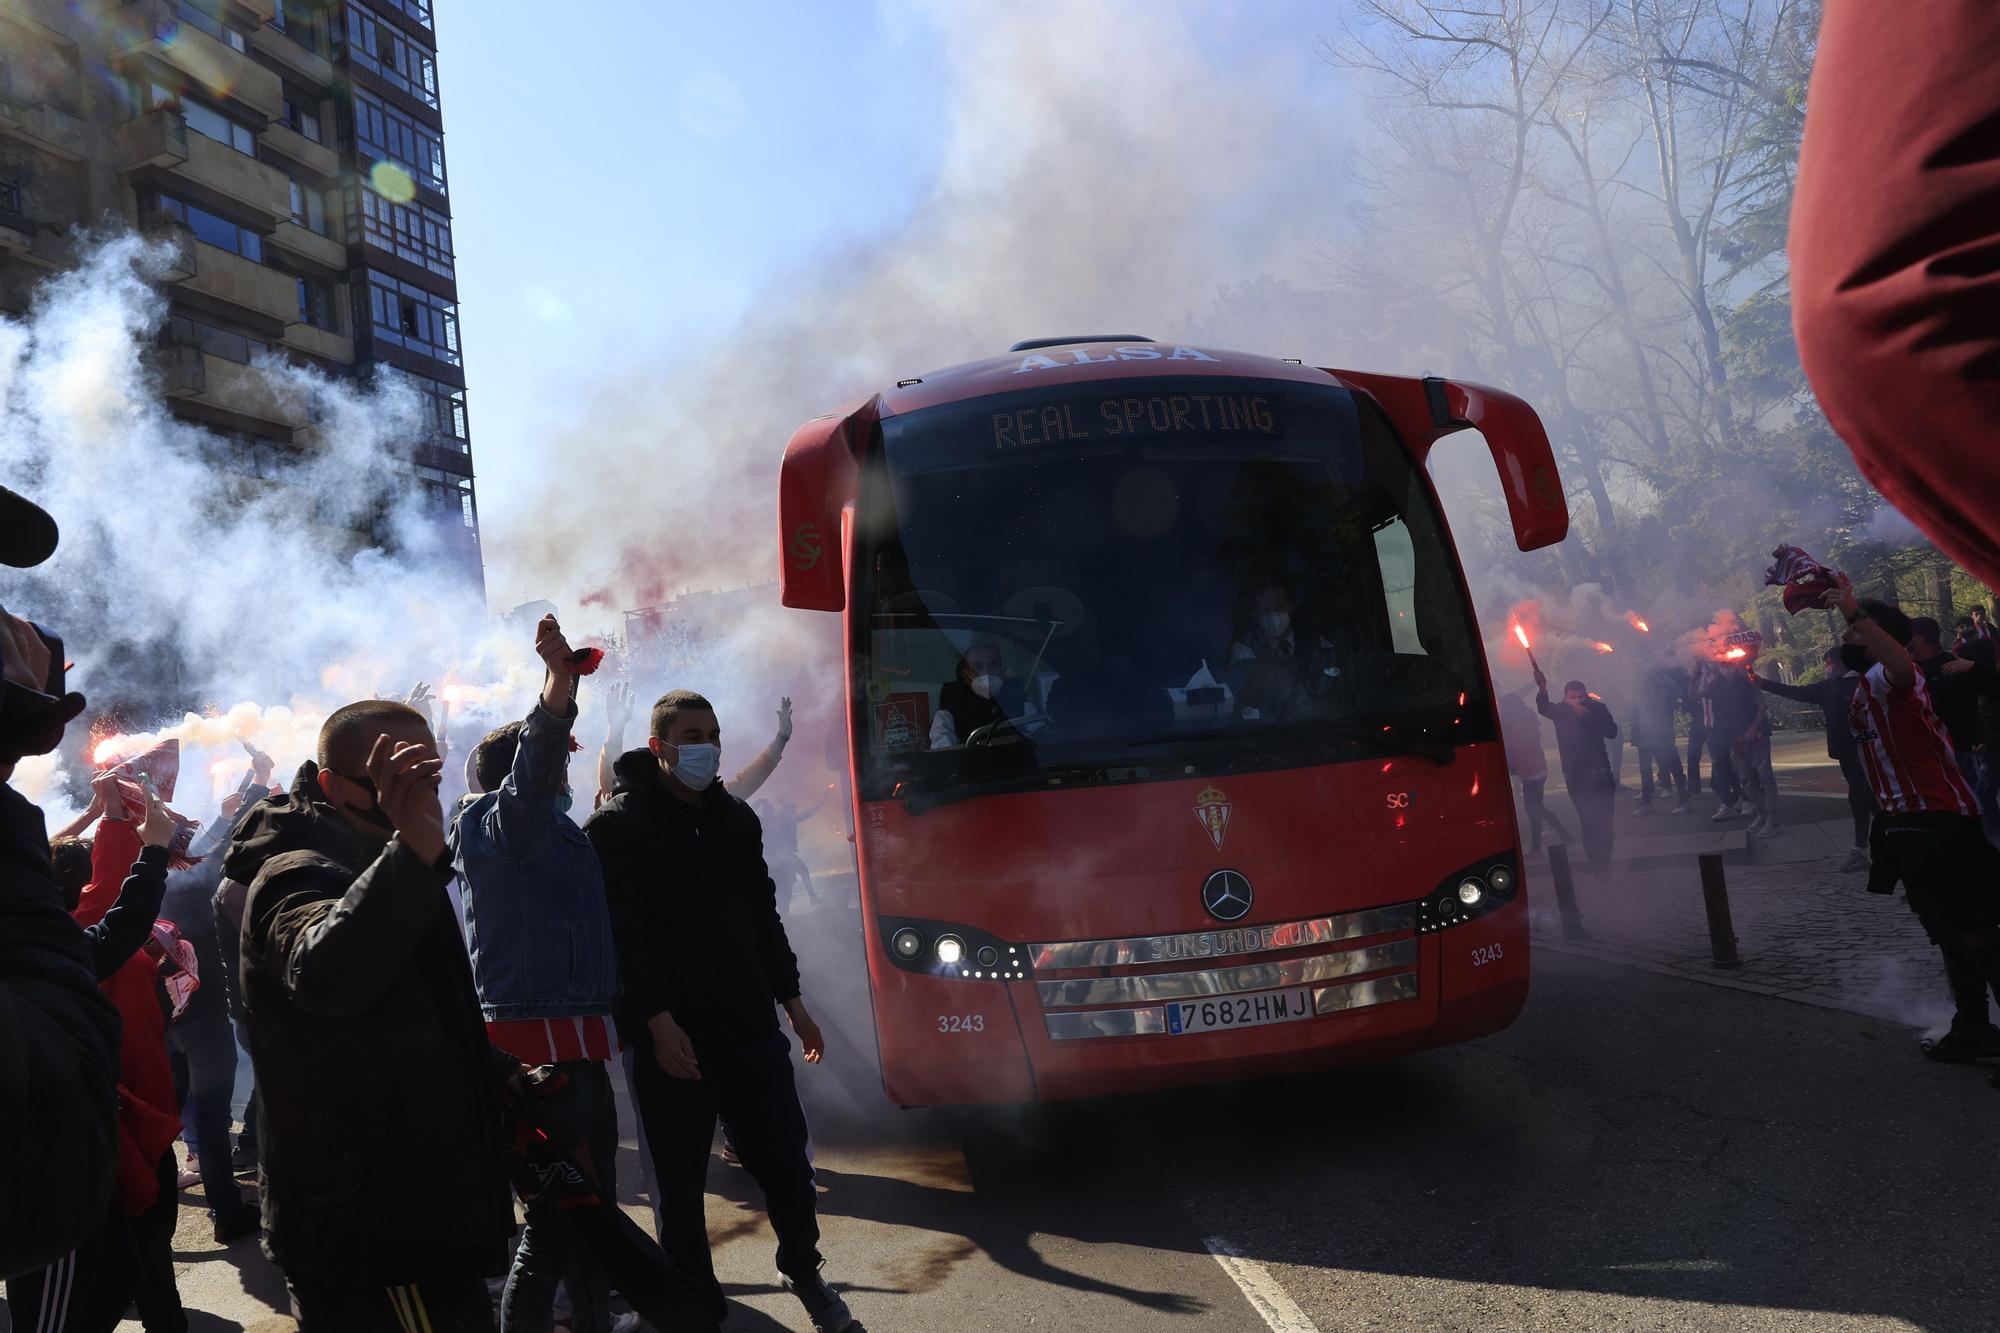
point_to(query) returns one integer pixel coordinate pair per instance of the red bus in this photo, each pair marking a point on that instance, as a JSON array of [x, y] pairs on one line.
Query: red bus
[[1174, 756]]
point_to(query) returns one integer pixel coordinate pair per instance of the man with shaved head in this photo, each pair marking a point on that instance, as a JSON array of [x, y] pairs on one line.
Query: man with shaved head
[[385, 1195]]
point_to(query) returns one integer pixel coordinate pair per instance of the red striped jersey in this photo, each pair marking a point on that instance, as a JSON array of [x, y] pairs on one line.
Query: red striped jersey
[[544, 1041], [1905, 750]]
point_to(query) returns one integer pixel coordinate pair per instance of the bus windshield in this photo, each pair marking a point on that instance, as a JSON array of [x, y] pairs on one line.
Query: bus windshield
[[1147, 579]]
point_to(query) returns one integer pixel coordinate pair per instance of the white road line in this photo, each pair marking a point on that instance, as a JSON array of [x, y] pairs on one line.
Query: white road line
[[1266, 1297]]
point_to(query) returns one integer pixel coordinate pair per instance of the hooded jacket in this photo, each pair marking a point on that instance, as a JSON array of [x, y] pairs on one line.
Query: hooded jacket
[[58, 1058], [693, 909], [380, 1136]]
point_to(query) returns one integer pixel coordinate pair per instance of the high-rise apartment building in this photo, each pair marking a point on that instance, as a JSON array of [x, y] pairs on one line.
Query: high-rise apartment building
[[292, 153]]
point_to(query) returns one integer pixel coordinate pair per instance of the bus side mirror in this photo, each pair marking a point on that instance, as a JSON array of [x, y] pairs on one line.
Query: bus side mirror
[[1425, 410], [815, 486]]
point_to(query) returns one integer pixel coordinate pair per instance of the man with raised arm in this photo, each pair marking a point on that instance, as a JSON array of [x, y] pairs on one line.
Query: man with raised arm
[[386, 1199]]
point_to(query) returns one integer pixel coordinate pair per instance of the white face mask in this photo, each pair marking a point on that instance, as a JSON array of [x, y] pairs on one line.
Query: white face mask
[[1275, 623], [986, 686], [696, 765]]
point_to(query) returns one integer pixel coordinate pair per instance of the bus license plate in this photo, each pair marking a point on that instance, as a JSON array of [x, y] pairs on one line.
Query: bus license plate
[[1239, 1011]]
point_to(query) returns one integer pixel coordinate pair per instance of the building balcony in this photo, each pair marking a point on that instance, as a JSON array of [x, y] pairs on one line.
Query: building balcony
[[260, 189], [318, 342], [44, 127], [310, 246], [31, 242], [156, 139], [44, 17], [223, 73], [194, 376], [264, 11], [307, 66], [316, 158], [235, 281]]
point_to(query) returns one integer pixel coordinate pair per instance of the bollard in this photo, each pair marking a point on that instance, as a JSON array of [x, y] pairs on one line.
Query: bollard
[[1715, 897], [1572, 920]]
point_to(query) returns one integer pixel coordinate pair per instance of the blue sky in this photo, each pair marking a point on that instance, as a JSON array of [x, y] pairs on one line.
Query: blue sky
[[630, 185]]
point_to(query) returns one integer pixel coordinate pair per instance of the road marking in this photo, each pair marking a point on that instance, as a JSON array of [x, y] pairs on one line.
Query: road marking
[[1266, 1297]]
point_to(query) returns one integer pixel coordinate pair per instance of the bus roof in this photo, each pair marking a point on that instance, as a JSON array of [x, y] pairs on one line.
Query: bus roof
[[1069, 364]]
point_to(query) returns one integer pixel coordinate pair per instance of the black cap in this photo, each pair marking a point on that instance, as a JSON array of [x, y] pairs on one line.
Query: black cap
[[27, 533]]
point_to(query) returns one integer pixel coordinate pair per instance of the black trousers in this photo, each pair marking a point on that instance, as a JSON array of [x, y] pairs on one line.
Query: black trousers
[[1860, 798], [1951, 877], [1668, 757], [1595, 799], [453, 1304], [751, 1088], [85, 1291], [157, 1296], [1532, 797]]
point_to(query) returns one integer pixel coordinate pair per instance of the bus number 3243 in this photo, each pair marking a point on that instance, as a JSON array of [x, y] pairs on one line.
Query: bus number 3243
[[961, 1022]]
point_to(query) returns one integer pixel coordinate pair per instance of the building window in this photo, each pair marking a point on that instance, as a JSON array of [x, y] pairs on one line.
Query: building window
[[381, 50], [10, 196], [444, 413], [419, 10], [228, 345], [309, 208], [406, 316], [301, 114], [206, 120], [415, 232], [387, 135], [194, 15], [213, 228], [316, 304]]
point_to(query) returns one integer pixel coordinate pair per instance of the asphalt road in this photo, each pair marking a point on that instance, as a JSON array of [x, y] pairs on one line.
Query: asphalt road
[[1637, 1152]]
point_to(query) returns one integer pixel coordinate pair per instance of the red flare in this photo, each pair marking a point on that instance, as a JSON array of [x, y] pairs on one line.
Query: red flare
[[1521, 634], [1633, 619], [1735, 655], [1604, 648], [585, 661]]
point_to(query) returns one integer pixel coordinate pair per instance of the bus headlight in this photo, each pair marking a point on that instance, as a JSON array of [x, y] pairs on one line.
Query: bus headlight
[[951, 950], [1466, 894]]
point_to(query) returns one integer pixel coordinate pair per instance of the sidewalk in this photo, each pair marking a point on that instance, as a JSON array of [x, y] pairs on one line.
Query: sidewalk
[[1805, 930]]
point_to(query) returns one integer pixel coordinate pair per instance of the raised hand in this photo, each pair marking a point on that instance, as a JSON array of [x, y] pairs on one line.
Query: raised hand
[[157, 829], [785, 718], [551, 646], [617, 709], [405, 775]]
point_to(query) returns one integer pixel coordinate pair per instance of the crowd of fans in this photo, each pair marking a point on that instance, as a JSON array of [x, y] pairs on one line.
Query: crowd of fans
[[417, 1067]]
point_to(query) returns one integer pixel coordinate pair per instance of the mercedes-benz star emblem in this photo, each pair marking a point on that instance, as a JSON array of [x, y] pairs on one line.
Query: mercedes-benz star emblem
[[1226, 895]]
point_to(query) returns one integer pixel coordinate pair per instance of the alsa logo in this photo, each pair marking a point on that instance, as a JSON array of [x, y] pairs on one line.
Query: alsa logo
[[1211, 811], [1082, 357]]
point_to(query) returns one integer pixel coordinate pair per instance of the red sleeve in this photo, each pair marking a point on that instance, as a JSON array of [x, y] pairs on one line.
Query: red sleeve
[[113, 849], [1895, 250]]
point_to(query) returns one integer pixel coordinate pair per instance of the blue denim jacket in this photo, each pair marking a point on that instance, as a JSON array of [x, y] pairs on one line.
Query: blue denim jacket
[[535, 917]]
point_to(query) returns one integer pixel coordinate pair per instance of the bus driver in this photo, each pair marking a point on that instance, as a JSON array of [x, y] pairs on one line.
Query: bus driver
[[980, 696]]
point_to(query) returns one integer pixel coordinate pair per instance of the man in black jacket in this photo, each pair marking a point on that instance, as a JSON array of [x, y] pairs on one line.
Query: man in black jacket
[[385, 1196], [1583, 724], [705, 964]]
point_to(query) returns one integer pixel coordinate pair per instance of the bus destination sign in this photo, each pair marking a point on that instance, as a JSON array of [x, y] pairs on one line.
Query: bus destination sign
[[1134, 416]]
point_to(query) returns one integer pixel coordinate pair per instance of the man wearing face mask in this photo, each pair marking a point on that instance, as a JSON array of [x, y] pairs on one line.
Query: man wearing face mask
[[979, 696], [385, 1195], [545, 968], [706, 965], [1273, 669]]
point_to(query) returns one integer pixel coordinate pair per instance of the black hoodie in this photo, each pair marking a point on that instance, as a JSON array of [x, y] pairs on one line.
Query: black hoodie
[[380, 1132], [693, 908]]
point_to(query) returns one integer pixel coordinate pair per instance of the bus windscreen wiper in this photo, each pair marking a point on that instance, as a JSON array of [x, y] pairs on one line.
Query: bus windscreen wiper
[[1383, 740]]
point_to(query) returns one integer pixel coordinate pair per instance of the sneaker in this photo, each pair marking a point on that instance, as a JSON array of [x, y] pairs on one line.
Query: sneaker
[[1766, 829], [630, 1322], [190, 1175], [1681, 809], [829, 1313], [1722, 812], [1856, 860], [728, 1154], [1959, 1046], [1745, 808], [235, 1226], [1643, 808]]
